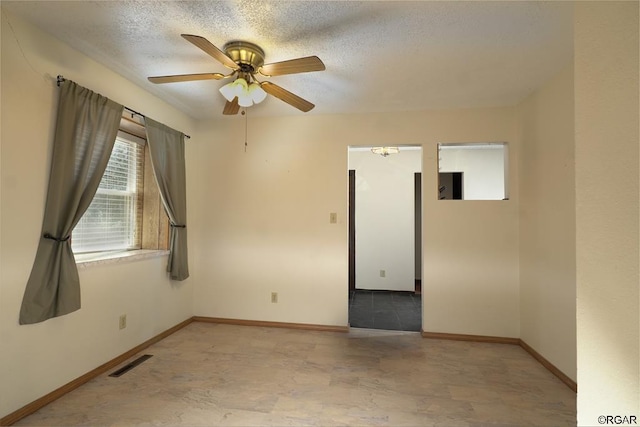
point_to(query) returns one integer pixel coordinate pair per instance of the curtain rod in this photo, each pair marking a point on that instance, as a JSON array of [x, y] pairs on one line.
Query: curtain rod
[[61, 79]]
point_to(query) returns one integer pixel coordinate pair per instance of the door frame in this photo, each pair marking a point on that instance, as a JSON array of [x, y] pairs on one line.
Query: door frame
[[352, 230]]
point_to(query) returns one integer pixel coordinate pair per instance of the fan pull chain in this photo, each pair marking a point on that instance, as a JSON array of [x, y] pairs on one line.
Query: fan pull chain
[[246, 120]]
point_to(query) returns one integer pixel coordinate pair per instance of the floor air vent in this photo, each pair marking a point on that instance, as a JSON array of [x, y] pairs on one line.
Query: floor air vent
[[129, 366]]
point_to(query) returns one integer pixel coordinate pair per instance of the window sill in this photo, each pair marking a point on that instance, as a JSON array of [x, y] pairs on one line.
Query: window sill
[[116, 257]]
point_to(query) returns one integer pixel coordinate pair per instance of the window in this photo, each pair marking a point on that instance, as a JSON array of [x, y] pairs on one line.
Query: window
[[126, 212], [114, 218]]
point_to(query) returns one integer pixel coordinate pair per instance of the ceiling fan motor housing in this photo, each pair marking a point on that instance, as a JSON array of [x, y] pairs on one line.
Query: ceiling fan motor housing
[[247, 55]]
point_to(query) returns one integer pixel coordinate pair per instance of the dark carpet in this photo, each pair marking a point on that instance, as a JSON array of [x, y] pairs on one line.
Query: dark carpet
[[390, 310]]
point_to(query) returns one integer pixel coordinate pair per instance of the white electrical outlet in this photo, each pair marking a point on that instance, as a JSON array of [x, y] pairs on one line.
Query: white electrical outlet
[[123, 321], [383, 273], [274, 297]]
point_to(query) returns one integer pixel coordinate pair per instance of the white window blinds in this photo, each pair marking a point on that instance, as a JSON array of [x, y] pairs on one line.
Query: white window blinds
[[113, 220]]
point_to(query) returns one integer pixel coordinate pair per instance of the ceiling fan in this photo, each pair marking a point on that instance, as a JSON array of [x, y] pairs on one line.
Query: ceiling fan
[[247, 60]]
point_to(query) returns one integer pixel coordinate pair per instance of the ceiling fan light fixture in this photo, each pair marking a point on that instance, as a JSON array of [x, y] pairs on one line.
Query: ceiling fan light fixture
[[385, 151], [247, 94]]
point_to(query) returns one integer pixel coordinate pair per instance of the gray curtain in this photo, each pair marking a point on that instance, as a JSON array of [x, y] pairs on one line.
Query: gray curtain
[[86, 130], [166, 147]]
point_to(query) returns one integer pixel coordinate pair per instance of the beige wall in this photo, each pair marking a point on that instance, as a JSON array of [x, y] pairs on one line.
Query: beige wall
[[36, 359], [267, 220], [606, 150], [547, 223], [470, 250]]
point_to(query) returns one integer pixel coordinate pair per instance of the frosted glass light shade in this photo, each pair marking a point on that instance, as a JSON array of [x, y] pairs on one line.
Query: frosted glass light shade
[[228, 91], [233, 89], [244, 99], [257, 93]]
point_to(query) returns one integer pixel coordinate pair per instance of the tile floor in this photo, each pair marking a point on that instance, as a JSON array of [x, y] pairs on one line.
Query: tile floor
[[226, 375], [390, 310]]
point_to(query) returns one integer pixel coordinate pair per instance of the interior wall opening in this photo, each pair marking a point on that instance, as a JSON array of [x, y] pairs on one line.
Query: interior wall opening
[[385, 237], [473, 171]]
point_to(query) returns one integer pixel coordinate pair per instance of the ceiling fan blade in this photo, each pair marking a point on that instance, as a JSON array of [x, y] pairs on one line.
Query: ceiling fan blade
[[216, 53], [186, 78], [293, 66], [231, 107], [286, 96]]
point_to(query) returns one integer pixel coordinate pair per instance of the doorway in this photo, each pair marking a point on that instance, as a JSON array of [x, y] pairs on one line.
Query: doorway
[[385, 239]]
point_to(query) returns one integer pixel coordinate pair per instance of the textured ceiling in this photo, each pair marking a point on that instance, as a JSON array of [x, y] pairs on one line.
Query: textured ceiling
[[380, 56]]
